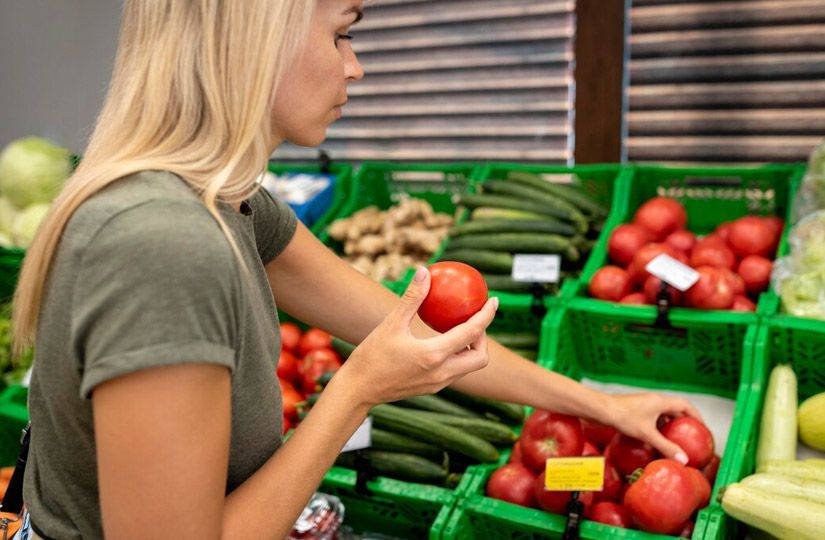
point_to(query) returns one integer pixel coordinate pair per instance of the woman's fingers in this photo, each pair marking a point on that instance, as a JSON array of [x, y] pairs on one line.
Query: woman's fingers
[[467, 333]]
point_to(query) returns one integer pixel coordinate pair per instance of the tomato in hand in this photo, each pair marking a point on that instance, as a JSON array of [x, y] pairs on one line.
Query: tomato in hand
[[513, 483], [556, 501], [625, 241], [663, 498], [610, 283], [314, 338], [457, 292], [288, 367], [661, 216], [628, 454], [290, 336], [290, 398], [560, 435], [598, 434], [610, 513], [693, 437], [711, 469], [316, 363]]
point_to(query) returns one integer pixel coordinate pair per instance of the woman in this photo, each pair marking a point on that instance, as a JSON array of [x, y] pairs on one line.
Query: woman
[[150, 292]]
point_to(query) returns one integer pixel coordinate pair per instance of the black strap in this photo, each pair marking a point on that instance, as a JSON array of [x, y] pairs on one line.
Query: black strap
[[324, 162], [13, 499], [574, 517], [663, 302]]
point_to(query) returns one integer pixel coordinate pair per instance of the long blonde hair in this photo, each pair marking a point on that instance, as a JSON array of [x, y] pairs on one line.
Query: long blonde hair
[[191, 93]]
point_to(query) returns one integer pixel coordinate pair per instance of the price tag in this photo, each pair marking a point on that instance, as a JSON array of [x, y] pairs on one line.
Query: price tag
[[673, 272], [362, 438], [574, 474], [536, 268]]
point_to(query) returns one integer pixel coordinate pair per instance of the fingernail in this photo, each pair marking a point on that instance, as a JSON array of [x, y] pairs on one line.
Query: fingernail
[[681, 457], [495, 302], [420, 274]]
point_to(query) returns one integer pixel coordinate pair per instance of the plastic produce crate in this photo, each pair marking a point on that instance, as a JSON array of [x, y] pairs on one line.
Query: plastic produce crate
[[13, 418], [563, 350], [10, 261]]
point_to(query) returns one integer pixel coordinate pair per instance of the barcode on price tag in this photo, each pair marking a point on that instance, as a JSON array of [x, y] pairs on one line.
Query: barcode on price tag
[[362, 438], [673, 272], [536, 268]]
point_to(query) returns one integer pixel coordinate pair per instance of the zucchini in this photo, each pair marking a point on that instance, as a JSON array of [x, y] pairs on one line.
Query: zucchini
[[518, 340], [507, 412], [437, 404], [394, 442], [488, 212], [569, 193], [484, 260], [512, 225], [561, 207], [791, 486], [344, 348], [810, 469], [488, 430], [397, 465], [473, 200], [787, 518], [777, 432], [519, 243], [408, 423]]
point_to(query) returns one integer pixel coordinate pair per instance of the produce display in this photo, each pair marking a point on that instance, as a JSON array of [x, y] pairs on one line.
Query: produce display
[[734, 262], [641, 490], [799, 278], [523, 214], [12, 372], [384, 244]]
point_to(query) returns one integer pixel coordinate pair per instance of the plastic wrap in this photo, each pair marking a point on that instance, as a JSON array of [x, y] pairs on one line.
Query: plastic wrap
[[799, 278], [811, 194], [321, 519]]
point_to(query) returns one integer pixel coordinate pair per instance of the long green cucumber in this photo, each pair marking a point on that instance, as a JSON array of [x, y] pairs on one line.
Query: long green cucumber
[[484, 260], [569, 193], [402, 466], [512, 225], [565, 209], [519, 243], [507, 412], [473, 200], [503, 282], [344, 348], [488, 430], [395, 442], [408, 423], [437, 404], [518, 340], [482, 213]]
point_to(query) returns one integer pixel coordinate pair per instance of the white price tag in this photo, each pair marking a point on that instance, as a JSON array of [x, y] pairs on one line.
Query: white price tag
[[673, 272], [362, 438], [536, 268]]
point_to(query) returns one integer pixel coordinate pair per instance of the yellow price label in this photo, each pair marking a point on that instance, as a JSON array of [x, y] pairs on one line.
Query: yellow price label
[[574, 474]]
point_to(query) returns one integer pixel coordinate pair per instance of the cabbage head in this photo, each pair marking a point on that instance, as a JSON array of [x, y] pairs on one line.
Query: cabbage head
[[33, 170], [7, 215], [27, 222]]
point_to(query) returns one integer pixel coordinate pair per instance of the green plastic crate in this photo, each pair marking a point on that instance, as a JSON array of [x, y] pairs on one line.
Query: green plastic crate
[[10, 261], [383, 184], [562, 350], [13, 418]]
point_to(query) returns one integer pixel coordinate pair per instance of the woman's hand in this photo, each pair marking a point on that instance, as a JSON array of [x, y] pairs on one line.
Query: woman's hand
[[391, 363], [636, 415]]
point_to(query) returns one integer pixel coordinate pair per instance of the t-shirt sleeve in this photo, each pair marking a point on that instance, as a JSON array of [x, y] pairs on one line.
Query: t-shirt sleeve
[[274, 223], [159, 285]]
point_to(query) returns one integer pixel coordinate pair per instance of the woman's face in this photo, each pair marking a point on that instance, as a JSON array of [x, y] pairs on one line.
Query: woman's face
[[314, 89]]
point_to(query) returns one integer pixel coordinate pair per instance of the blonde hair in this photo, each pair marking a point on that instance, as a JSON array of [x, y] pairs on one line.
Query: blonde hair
[[191, 93]]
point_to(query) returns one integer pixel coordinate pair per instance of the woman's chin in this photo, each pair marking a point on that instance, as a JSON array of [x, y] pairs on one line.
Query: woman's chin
[[309, 139]]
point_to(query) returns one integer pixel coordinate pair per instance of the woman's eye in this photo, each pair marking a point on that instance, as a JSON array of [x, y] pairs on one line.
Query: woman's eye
[[339, 37]]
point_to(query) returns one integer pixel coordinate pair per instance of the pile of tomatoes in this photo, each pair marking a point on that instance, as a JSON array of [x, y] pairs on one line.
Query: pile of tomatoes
[[305, 356], [641, 490], [734, 262]]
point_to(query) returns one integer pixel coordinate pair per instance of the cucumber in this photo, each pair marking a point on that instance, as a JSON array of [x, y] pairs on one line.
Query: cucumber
[[777, 432], [488, 430], [518, 243], [437, 404], [397, 465], [569, 193], [791, 486], [503, 282], [473, 200], [488, 212], [408, 423], [484, 260], [344, 348], [507, 412], [518, 340], [394, 442], [512, 225], [787, 518], [563, 209], [809, 469]]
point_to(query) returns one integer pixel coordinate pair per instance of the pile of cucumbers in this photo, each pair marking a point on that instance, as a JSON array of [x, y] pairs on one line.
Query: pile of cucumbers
[[524, 214]]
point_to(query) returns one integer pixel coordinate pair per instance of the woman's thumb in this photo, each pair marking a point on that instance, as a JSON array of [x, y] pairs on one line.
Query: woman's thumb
[[414, 295]]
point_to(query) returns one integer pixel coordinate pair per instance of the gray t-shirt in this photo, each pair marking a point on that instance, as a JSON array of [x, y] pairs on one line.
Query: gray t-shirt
[[144, 277]]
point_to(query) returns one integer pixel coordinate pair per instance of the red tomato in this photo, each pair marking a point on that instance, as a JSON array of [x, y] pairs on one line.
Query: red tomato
[[290, 398], [610, 513], [756, 273], [314, 338], [712, 253], [625, 241], [610, 283], [777, 224], [599, 434], [513, 483], [538, 417], [737, 284], [589, 450], [712, 291], [649, 252], [290, 336], [682, 240], [751, 235], [612, 485], [723, 231], [515, 455], [693, 437], [628, 454], [711, 469], [315, 364], [556, 501], [702, 487], [634, 298], [686, 530], [288, 367], [742, 303], [661, 216], [457, 292], [652, 287], [559, 435], [663, 498]]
